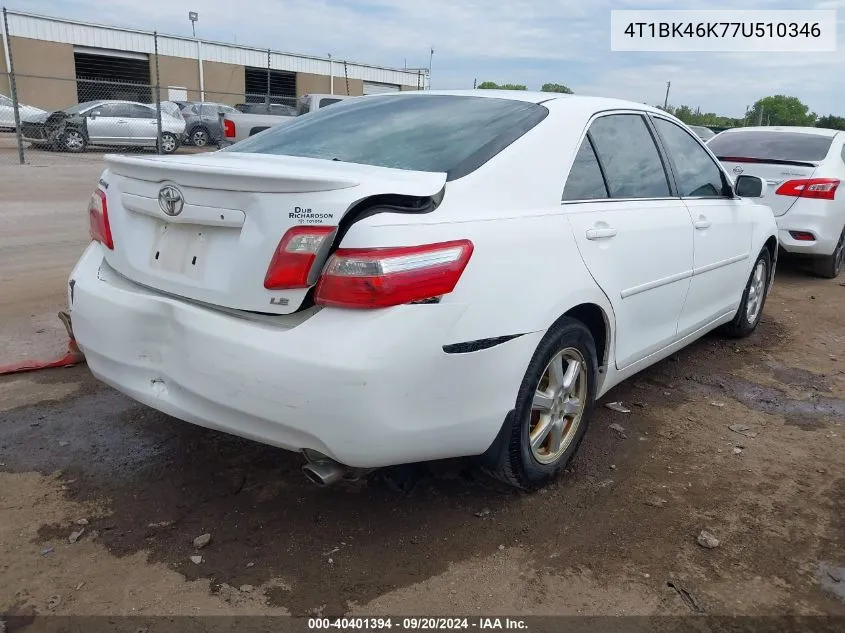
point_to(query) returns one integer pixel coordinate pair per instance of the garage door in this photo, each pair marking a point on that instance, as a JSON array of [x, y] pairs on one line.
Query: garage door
[[373, 88], [105, 74]]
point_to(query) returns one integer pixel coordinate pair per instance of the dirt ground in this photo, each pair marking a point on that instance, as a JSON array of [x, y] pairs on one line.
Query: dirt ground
[[616, 535]]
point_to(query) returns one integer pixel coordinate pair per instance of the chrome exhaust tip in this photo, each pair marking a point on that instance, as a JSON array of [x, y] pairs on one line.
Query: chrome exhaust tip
[[324, 472]]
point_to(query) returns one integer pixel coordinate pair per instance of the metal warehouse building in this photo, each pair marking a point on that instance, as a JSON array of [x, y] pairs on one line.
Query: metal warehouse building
[[58, 62]]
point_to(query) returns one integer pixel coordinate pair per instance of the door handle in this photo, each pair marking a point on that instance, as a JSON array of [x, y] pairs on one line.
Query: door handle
[[122, 121], [702, 223], [600, 234]]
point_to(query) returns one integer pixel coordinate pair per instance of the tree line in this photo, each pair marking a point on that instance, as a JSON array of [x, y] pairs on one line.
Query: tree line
[[771, 110]]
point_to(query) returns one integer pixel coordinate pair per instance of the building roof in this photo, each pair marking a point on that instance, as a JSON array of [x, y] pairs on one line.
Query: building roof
[[78, 33]]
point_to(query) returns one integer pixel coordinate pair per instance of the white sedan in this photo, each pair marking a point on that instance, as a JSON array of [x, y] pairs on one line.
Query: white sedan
[[804, 166], [410, 277]]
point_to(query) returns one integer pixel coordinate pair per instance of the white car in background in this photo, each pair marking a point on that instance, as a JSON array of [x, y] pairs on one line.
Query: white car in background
[[804, 167], [426, 275], [7, 113]]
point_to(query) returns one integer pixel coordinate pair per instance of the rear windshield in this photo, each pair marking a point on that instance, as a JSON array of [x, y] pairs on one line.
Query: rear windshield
[[788, 146], [434, 133]]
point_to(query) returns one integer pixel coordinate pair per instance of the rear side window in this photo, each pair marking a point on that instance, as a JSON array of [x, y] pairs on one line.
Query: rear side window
[[585, 180], [328, 102], [434, 133], [629, 157], [778, 146], [697, 175]]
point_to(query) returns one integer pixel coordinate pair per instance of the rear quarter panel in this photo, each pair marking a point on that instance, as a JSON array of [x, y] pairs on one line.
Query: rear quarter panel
[[525, 270]]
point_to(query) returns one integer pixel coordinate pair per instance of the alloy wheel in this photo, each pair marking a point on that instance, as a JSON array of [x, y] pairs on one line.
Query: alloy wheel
[[558, 406]]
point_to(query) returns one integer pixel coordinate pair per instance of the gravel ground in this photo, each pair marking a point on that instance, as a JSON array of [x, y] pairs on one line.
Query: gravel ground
[[617, 534]]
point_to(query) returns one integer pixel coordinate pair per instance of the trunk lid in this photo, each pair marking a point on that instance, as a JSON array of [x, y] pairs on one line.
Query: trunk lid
[[775, 173], [235, 210]]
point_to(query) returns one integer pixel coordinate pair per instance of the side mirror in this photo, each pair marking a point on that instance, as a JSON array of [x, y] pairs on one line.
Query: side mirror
[[750, 187], [94, 115]]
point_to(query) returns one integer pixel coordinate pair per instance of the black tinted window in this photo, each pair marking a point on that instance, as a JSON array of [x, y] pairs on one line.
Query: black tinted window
[[695, 172], [629, 156], [435, 133], [585, 181], [792, 146], [328, 102]]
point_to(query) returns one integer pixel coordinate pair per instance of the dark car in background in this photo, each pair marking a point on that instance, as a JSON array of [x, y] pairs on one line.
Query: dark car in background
[[704, 133], [203, 121]]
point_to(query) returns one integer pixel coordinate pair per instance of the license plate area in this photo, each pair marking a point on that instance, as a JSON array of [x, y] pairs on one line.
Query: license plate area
[[181, 249]]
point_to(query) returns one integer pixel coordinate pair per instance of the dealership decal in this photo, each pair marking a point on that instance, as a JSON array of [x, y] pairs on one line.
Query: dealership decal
[[307, 216]]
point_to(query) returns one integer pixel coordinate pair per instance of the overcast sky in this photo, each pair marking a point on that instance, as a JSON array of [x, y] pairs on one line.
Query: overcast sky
[[508, 41]]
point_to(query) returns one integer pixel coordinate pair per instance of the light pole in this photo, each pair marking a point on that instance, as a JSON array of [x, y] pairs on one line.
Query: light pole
[[193, 16], [430, 58], [666, 101], [331, 75]]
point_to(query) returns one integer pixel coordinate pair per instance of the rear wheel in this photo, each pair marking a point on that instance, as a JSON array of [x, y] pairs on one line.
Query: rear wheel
[[199, 137], [830, 266], [169, 143], [553, 408], [753, 298]]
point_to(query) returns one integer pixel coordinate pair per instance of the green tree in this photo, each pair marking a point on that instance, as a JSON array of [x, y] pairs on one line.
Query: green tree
[[492, 85], [781, 110], [831, 122], [552, 87]]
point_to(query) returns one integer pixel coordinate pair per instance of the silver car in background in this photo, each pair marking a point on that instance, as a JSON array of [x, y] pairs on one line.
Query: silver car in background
[[105, 123]]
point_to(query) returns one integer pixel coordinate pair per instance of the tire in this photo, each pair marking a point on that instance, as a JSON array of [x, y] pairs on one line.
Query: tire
[[753, 298], [199, 137], [169, 143], [830, 266], [73, 141], [515, 461]]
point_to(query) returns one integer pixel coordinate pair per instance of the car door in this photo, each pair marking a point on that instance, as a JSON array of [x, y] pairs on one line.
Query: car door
[[143, 129], [103, 124], [634, 235], [723, 228]]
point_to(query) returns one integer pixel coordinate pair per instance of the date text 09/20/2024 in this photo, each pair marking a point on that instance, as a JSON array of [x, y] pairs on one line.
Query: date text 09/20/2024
[[417, 624]]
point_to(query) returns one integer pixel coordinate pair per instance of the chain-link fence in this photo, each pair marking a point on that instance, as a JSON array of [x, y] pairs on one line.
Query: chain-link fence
[[140, 103]]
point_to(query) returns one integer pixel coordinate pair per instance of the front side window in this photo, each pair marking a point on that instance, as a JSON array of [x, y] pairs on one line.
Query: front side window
[[455, 134], [630, 159], [585, 180], [696, 174]]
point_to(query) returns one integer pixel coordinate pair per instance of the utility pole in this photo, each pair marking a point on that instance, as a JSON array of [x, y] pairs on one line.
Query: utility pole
[[760, 117], [474, 83], [666, 100]]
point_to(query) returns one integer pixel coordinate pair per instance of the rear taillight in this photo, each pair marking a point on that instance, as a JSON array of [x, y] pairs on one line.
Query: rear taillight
[[292, 263], [815, 188], [383, 277], [228, 128], [98, 219]]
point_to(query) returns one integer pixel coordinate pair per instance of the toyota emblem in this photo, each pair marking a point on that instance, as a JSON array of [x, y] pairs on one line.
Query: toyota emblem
[[170, 200], [737, 170]]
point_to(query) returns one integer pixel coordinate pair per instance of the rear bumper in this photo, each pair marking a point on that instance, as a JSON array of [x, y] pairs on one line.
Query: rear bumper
[[814, 217], [366, 388]]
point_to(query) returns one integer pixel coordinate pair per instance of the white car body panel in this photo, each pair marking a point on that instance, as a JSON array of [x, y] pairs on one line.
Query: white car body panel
[[372, 388]]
